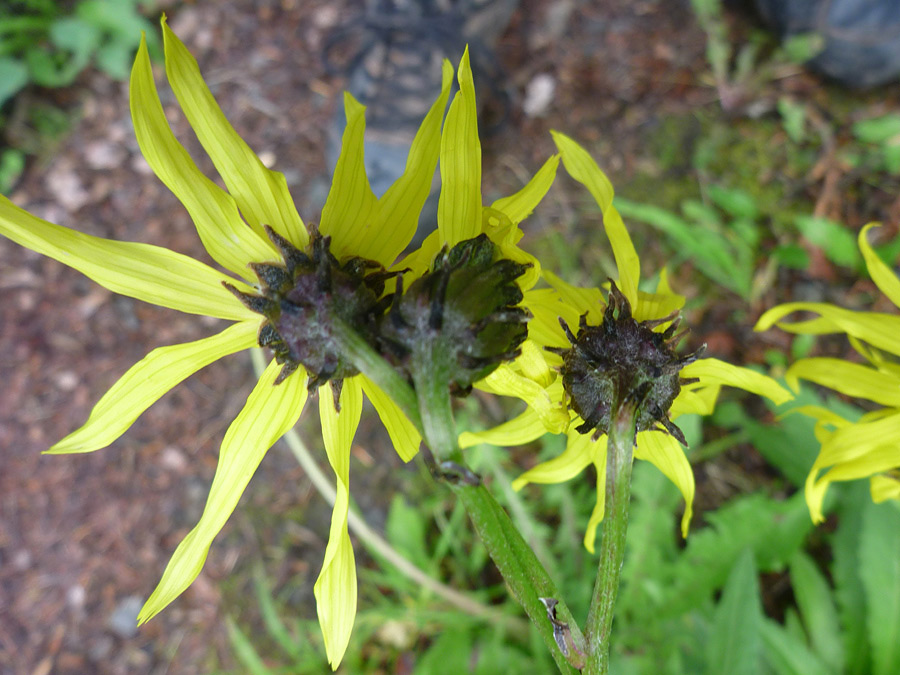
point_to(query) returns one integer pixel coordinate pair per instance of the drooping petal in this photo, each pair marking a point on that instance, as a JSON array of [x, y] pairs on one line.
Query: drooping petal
[[590, 534], [269, 412], [579, 453], [582, 167], [881, 274], [261, 194], [520, 430], [519, 206], [879, 330], [883, 488], [345, 216], [215, 214], [547, 403], [149, 273], [531, 362], [583, 300], [403, 433], [147, 380], [851, 379], [714, 371], [880, 459], [667, 455], [397, 214], [335, 589], [459, 206]]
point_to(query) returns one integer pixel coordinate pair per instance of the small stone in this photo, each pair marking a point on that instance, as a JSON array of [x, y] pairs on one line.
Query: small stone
[[103, 155], [539, 95], [123, 620], [173, 459]]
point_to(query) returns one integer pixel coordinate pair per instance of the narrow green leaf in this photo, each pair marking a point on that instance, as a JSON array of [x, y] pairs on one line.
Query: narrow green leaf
[[13, 76], [817, 609], [786, 655], [735, 644], [879, 568], [274, 625], [849, 592], [405, 530], [244, 651], [733, 201], [878, 129]]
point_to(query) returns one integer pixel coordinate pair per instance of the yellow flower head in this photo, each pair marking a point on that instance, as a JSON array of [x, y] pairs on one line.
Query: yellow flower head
[[533, 379], [871, 446], [233, 227]]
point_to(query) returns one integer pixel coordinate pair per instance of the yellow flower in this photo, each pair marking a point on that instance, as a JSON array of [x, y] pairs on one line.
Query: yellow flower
[[532, 378], [871, 446], [232, 226]]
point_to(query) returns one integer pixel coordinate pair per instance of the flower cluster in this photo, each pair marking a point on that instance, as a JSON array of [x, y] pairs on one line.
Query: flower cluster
[[868, 447]]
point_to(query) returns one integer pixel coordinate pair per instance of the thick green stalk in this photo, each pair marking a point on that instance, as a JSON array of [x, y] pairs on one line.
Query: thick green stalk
[[619, 455], [428, 408]]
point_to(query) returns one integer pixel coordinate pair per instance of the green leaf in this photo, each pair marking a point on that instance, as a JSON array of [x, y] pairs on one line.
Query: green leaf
[[802, 47], [76, 36], [272, 621], [733, 201], [849, 592], [449, 653], [119, 19], [878, 129], [405, 530], [793, 117], [792, 256], [837, 242], [115, 59], [734, 642], [244, 651], [786, 655], [879, 569], [12, 164], [13, 76], [817, 609]]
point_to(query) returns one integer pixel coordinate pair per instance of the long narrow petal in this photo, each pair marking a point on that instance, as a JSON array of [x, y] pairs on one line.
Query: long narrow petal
[[345, 216], [404, 436], [880, 459], [881, 274], [599, 510], [147, 380], [459, 207], [883, 488], [589, 300], [667, 455], [656, 305], [335, 589], [519, 430], [397, 214], [547, 403], [851, 379], [224, 234], [532, 364], [261, 194], [546, 308], [879, 330], [519, 206], [578, 454], [269, 412], [582, 167], [714, 371], [149, 273]]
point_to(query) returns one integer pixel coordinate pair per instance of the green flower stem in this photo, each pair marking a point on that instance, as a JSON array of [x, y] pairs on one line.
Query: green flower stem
[[619, 455], [522, 571], [370, 363]]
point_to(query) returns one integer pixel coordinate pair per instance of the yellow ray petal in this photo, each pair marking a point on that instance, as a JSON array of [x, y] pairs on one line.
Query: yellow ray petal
[[580, 451], [345, 216], [667, 455], [147, 380], [851, 379], [519, 430], [397, 214], [261, 194], [877, 460], [547, 403], [268, 413], [419, 261], [531, 362], [881, 274], [519, 206], [149, 273], [879, 330], [714, 371], [224, 234], [546, 307], [883, 488], [590, 534], [335, 589], [582, 300], [403, 433], [459, 206], [695, 399], [851, 442], [582, 167], [656, 306]]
